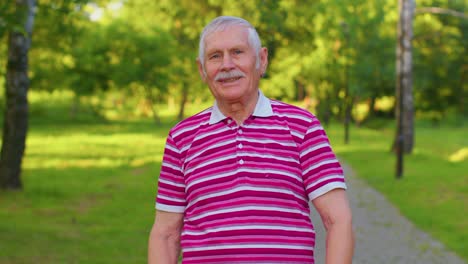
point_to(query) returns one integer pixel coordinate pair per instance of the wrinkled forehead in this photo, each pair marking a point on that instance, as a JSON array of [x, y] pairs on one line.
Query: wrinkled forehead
[[226, 38]]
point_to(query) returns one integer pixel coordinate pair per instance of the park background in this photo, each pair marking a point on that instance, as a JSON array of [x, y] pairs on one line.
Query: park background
[[109, 78]]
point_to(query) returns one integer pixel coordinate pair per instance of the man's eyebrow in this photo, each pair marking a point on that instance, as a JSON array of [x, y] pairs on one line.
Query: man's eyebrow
[[242, 46], [211, 52]]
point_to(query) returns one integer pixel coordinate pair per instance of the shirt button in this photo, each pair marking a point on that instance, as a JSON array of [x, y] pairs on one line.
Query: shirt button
[[241, 162], [240, 145], [240, 131], [229, 121]]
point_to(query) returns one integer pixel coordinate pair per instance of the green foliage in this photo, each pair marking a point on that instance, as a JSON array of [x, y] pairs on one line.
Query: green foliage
[[57, 27], [312, 44], [5, 18], [440, 60], [65, 106], [118, 56], [356, 39]]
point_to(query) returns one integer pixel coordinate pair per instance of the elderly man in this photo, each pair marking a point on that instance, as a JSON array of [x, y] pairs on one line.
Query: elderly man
[[237, 179]]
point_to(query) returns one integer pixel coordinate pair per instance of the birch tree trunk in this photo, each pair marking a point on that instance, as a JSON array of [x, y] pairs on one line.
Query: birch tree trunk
[[404, 79], [16, 89]]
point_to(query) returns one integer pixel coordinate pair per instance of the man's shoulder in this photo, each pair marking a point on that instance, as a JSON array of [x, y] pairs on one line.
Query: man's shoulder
[[281, 108], [192, 122]]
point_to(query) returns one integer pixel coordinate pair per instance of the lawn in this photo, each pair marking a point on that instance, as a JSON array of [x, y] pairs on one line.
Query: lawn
[[88, 194], [89, 188]]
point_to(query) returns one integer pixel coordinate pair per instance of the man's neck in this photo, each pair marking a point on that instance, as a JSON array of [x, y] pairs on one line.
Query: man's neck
[[239, 110]]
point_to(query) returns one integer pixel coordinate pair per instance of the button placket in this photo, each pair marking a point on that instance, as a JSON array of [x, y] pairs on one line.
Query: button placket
[[240, 146]]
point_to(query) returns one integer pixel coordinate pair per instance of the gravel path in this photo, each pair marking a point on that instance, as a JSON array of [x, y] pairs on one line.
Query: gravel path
[[383, 235]]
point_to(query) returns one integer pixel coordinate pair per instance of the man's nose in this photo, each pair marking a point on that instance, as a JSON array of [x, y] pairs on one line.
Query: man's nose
[[228, 64]]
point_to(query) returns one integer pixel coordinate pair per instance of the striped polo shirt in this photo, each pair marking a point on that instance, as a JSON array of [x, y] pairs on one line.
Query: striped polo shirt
[[245, 190]]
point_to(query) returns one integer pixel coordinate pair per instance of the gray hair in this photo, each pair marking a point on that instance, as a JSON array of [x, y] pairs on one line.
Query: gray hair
[[223, 22]]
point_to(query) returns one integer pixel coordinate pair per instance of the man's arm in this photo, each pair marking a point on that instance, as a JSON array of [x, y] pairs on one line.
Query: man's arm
[[335, 212], [164, 240]]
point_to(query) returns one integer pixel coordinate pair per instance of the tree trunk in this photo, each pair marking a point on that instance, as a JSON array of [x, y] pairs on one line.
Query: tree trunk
[[347, 98], [301, 92], [16, 89], [152, 101], [328, 110], [404, 91], [183, 101], [404, 94], [372, 106], [347, 118], [347, 105], [463, 91], [323, 109]]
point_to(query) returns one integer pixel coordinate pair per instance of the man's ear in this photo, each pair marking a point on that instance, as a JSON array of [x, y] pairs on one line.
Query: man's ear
[[263, 60], [200, 70]]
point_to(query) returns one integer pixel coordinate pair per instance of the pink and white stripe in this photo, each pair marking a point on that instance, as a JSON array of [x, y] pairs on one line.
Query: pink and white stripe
[[245, 190]]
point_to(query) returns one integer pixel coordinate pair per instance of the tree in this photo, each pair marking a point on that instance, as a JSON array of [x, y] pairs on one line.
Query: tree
[[183, 20], [17, 83], [440, 43], [347, 101], [404, 81]]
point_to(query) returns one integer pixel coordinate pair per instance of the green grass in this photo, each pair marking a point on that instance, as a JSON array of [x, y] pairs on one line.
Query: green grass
[[433, 192], [88, 194], [90, 184]]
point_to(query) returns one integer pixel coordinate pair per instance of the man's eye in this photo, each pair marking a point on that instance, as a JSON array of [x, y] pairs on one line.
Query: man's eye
[[214, 56], [237, 51]]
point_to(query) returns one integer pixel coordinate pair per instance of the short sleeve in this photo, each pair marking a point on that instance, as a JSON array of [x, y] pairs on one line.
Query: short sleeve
[[321, 170], [171, 184]]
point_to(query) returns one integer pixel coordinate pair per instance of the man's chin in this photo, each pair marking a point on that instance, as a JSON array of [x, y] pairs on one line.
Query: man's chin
[[230, 95]]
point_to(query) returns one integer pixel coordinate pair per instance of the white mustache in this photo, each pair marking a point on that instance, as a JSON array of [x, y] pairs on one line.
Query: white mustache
[[229, 75]]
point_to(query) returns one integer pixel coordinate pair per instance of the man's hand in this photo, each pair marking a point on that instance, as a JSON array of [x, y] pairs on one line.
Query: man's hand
[[335, 212], [164, 240]]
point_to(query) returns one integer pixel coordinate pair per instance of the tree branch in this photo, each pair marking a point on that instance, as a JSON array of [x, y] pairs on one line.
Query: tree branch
[[442, 11]]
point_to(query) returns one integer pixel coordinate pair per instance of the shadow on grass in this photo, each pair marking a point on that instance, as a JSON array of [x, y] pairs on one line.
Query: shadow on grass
[[79, 215], [103, 128]]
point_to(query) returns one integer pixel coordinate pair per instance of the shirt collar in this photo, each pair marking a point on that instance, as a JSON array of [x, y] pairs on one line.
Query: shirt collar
[[262, 109]]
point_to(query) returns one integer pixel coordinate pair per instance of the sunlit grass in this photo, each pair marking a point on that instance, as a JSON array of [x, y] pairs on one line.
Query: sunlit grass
[[460, 155], [92, 150]]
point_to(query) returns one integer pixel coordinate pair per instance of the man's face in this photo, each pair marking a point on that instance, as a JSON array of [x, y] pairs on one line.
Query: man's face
[[230, 65]]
